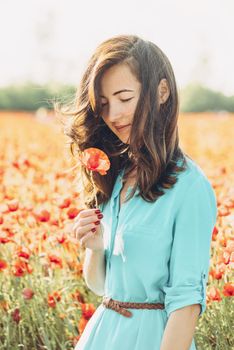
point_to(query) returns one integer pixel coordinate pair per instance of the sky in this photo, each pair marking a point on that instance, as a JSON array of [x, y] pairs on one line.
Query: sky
[[52, 40]]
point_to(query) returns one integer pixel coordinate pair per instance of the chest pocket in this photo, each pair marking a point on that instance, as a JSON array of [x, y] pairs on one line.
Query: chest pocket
[[146, 230]]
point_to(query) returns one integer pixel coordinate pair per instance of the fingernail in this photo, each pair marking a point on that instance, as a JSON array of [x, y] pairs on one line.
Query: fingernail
[[97, 222], [93, 229], [97, 211], [100, 216]]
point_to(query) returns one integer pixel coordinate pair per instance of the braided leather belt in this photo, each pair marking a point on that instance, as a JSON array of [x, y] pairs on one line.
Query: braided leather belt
[[120, 306]]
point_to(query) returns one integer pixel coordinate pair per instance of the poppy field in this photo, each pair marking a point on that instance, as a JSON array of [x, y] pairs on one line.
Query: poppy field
[[44, 302]]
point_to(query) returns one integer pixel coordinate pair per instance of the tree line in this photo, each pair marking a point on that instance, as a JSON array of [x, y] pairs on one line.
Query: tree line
[[30, 97]]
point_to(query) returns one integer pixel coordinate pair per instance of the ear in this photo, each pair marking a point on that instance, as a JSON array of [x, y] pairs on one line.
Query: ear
[[163, 91]]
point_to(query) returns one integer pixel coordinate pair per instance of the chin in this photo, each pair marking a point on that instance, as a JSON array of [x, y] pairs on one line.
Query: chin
[[125, 140]]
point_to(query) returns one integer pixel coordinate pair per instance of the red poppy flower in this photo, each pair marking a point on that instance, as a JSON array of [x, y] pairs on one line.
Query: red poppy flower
[[16, 315], [213, 294], [228, 289], [20, 268], [3, 265], [87, 310], [23, 252], [53, 298], [55, 260], [43, 215], [95, 159], [13, 205], [72, 212], [27, 293], [4, 238], [77, 296], [61, 238], [64, 202]]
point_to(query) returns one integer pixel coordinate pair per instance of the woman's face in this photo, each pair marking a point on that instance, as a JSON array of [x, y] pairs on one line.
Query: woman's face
[[119, 93]]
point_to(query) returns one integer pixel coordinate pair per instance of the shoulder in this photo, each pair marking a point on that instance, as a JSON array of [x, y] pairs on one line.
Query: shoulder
[[193, 180], [191, 175]]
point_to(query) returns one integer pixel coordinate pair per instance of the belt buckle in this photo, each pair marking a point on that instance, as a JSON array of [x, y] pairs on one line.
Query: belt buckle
[[106, 300]]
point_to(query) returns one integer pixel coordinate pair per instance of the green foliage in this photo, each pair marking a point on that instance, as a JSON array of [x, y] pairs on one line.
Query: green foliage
[[41, 327], [30, 97], [197, 98], [214, 326]]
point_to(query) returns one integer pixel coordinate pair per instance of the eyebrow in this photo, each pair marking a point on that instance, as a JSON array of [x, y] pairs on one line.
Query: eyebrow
[[118, 92]]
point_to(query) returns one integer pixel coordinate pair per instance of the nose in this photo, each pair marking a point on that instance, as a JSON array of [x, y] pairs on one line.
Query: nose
[[113, 113]]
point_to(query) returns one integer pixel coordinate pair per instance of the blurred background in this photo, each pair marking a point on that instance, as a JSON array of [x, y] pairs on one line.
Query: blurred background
[[45, 46]]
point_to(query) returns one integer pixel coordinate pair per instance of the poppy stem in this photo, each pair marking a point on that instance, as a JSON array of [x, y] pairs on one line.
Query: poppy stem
[[95, 196]]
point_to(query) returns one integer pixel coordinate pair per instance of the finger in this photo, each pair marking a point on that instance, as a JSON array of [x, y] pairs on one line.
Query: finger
[[90, 219], [81, 231], [83, 223], [85, 238], [87, 212]]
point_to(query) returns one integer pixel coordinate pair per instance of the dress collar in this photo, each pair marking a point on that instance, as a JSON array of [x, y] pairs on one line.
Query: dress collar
[[119, 184]]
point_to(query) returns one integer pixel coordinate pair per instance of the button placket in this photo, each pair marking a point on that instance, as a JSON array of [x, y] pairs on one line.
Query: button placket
[[116, 204], [115, 217], [115, 223]]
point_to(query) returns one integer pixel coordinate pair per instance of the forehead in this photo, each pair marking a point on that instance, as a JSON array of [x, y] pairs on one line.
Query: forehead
[[118, 77]]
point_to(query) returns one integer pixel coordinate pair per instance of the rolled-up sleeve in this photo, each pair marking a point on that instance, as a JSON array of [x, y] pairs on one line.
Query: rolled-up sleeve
[[191, 247]]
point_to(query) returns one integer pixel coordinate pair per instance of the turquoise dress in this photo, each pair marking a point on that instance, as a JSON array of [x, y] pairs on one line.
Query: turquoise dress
[[155, 252]]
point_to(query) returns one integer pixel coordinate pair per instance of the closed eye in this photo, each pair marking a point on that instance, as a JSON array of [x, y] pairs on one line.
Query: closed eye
[[128, 99], [122, 100]]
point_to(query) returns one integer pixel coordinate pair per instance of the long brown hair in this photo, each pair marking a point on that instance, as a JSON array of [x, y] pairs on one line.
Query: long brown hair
[[154, 141]]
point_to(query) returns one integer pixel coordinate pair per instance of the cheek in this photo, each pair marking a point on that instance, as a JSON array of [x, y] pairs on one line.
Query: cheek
[[129, 110], [132, 107]]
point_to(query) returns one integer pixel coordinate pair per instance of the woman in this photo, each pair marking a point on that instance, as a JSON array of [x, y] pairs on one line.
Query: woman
[[147, 254]]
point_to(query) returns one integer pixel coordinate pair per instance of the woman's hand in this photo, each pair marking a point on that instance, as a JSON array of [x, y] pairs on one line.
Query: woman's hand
[[88, 229]]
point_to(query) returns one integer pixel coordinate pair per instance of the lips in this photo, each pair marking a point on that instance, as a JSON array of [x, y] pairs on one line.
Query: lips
[[122, 127]]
